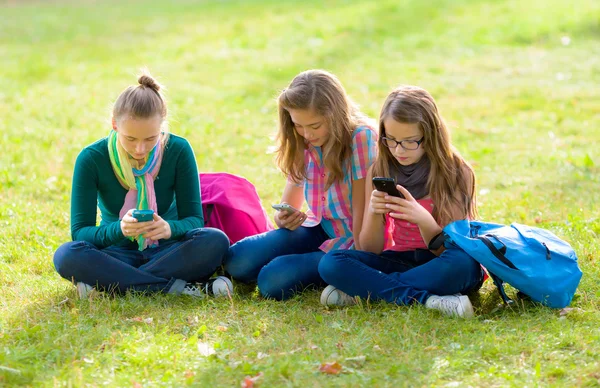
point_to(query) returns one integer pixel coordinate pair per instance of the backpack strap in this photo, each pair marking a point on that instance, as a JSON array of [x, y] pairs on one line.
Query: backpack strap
[[499, 253], [209, 209], [500, 286]]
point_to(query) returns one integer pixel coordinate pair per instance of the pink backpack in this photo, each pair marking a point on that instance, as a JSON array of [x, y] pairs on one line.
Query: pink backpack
[[230, 203]]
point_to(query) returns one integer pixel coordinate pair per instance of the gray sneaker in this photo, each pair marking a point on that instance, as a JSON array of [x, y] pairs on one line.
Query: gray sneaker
[[332, 296], [219, 286], [84, 290], [454, 305]]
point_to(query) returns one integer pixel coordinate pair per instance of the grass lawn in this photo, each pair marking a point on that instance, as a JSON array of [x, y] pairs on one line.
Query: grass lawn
[[518, 82]]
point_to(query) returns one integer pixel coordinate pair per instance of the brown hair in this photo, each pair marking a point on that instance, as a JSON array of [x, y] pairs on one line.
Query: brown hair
[[141, 101], [451, 181], [322, 92]]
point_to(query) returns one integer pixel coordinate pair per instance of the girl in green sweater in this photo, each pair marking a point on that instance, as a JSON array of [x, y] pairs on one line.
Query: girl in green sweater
[[139, 166]]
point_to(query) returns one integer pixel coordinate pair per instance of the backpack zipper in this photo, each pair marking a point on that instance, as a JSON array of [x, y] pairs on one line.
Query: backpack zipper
[[474, 230], [547, 251]]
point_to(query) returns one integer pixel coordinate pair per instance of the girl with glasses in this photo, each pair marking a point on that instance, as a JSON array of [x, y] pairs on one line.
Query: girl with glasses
[[325, 147], [438, 187]]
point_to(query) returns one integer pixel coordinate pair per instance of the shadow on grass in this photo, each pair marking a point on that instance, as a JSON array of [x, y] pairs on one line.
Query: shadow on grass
[[61, 334]]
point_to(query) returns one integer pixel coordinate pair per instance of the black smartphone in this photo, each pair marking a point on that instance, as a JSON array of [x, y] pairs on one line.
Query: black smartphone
[[387, 185]]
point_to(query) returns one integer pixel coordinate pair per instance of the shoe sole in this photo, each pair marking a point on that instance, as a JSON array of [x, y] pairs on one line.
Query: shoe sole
[[229, 289], [326, 294], [82, 290], [467, 306]]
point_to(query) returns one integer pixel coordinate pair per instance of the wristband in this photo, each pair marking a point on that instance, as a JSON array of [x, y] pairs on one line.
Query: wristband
[[437, 241]]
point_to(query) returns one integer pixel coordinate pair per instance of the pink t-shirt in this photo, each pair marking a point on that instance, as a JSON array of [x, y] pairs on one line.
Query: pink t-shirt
[[405, 236]]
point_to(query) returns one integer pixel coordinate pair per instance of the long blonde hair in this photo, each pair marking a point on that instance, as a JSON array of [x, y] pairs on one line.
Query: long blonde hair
[[323, 93], [451, 181]]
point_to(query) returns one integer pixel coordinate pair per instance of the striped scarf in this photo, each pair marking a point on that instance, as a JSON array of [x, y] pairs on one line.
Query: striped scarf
[[140, 183]]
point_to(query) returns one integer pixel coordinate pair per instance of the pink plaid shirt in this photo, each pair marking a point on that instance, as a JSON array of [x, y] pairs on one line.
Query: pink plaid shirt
[[333, 207]]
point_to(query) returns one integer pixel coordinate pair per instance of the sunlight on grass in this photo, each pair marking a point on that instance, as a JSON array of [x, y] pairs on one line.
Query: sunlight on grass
[[517, 82]]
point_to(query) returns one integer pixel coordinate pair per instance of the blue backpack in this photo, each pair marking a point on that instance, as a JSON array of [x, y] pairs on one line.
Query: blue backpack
[[532, 260]]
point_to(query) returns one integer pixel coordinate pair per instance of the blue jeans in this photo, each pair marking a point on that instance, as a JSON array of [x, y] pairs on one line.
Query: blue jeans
[[166, 268], [281, 261], [401, 277]]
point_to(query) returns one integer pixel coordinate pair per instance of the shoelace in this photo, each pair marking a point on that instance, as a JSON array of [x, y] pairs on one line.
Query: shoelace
[[194, 289], [450, 305]]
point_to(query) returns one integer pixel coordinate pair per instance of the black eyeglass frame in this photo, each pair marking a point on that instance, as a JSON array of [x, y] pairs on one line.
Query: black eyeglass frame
[[384, 140]]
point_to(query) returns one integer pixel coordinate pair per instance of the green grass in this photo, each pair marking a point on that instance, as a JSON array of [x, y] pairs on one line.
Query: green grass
[[523, 107]]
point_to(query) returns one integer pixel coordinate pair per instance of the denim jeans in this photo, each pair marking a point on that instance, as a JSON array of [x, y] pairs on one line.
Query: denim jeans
[[166, 268], [401, 277], [281, 261]]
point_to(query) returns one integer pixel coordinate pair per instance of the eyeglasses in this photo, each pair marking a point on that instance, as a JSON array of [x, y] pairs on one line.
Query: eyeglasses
[[409, 145]]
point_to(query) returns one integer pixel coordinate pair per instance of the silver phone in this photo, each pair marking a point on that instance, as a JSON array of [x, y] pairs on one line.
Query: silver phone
[[285, 208]]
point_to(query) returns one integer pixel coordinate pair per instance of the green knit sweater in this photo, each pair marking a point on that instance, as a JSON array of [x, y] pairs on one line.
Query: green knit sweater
[[95, 186]]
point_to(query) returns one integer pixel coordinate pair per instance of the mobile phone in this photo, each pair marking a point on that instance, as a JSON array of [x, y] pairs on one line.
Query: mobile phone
[[284, 207], [143, 215], [387, 185]]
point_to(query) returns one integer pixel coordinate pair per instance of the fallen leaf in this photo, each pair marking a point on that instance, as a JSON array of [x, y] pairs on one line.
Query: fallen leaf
[[205, 349], [568, 310], [313, 346], [249, 382], [222, 328], [331, 368], [339, 345], [188, 374]]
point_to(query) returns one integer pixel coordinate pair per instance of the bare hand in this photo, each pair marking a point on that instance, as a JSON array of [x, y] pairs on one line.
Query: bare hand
[[407, 208], [378, 202], [130, 226], [289, 221], [158, 229]]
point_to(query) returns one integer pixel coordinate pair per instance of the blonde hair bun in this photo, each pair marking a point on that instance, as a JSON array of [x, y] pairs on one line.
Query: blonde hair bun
[[148, 81]]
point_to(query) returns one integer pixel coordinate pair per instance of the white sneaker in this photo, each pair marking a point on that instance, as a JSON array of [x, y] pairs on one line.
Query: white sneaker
[[219, 286], [193, 289], [332, 296], [455, 305], [83, 290]]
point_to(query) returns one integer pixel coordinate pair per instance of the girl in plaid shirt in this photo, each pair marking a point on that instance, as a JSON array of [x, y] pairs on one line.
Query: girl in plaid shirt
[[325, 148]]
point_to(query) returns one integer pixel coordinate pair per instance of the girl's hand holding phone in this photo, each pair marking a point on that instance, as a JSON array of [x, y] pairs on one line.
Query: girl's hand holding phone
[[407, 208], [156, 229], [377, 204], [289, 218]]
